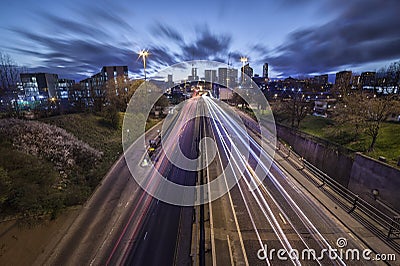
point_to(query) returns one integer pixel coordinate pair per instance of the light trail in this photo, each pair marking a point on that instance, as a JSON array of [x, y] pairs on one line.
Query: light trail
[[239, 133], [269, 214]]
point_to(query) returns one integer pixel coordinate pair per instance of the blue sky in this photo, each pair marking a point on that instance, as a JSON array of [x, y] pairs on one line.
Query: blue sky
[[295, 37]]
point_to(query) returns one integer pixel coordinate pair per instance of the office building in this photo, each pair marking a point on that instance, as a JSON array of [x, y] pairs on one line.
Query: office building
[[39, 86], [228, 77], [63, 88], [248, 71], [368, 80], [210, 75], [194, 75], [265, 70]]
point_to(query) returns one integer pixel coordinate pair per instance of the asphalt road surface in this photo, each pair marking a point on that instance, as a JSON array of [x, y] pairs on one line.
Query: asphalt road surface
[[122, 224]]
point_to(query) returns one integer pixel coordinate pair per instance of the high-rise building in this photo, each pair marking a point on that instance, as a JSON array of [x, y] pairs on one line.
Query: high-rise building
[[112, 72], [194, 75], [343, 77], [223, 76], [63, 88], [368, 79], [342, 81], [169, 78], [170, 81], [227, 77], [246, 73], [39, 86], [320, 79], [94, 86], [248, 70], [265, 70], [210, 75], [232, 77]]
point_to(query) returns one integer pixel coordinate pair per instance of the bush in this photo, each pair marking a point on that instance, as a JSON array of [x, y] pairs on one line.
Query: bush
[[54, 144], [5, 185], [42, 169]]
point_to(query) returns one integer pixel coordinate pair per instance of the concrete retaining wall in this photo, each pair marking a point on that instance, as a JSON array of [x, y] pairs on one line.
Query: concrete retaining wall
[[368, 174], [331, 159], [359, 173]]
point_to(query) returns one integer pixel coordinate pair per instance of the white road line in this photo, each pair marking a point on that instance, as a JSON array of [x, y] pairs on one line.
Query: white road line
[[283, 219], [230, 249], [213, 253], [284, 193]]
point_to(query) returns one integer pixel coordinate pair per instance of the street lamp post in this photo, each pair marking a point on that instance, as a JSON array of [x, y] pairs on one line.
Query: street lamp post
[[143, 54], [243, 59]]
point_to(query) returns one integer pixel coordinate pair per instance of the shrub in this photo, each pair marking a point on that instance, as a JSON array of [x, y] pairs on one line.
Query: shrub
[[66, 152]]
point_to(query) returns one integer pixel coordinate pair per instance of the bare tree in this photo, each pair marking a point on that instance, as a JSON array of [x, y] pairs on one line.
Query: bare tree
[[296, 108], [375, 111], [9, 76], [393, 75], [9, 72], [365, 112], [348, 115]]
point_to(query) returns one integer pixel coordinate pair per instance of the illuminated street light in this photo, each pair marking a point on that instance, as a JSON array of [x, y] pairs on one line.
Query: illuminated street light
[[143, 54], [243, 59]]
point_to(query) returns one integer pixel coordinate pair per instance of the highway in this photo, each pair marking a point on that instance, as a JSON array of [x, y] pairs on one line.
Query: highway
[[122, 224], [276, 212]]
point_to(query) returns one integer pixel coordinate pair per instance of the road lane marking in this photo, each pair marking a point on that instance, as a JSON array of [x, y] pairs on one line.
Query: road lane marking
[[234, 212], [212, 233], [145, 235], [283, 219], [230, 249]]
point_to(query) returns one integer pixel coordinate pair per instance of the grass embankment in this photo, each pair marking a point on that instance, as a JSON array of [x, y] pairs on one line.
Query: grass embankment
[[98, 133], [27, 178], [387, 144]]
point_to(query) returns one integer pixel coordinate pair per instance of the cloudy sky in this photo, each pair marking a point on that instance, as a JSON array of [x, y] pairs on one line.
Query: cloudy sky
[[76, 38]]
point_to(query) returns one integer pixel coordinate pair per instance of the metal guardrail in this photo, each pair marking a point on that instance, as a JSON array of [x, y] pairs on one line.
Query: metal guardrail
[[385, 227], [351, 202], [394, 228], [371, 217]]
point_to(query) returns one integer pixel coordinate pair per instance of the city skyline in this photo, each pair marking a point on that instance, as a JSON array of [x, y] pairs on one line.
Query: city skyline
[[293, 37]]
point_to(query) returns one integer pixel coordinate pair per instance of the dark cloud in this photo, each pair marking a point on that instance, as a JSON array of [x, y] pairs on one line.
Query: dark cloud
[[291, 3], [104, 15], [206, 45], [74, 47], [164, 31], [72, 53], [66, 27], [362, 32], [365, 31], [161, 56]]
